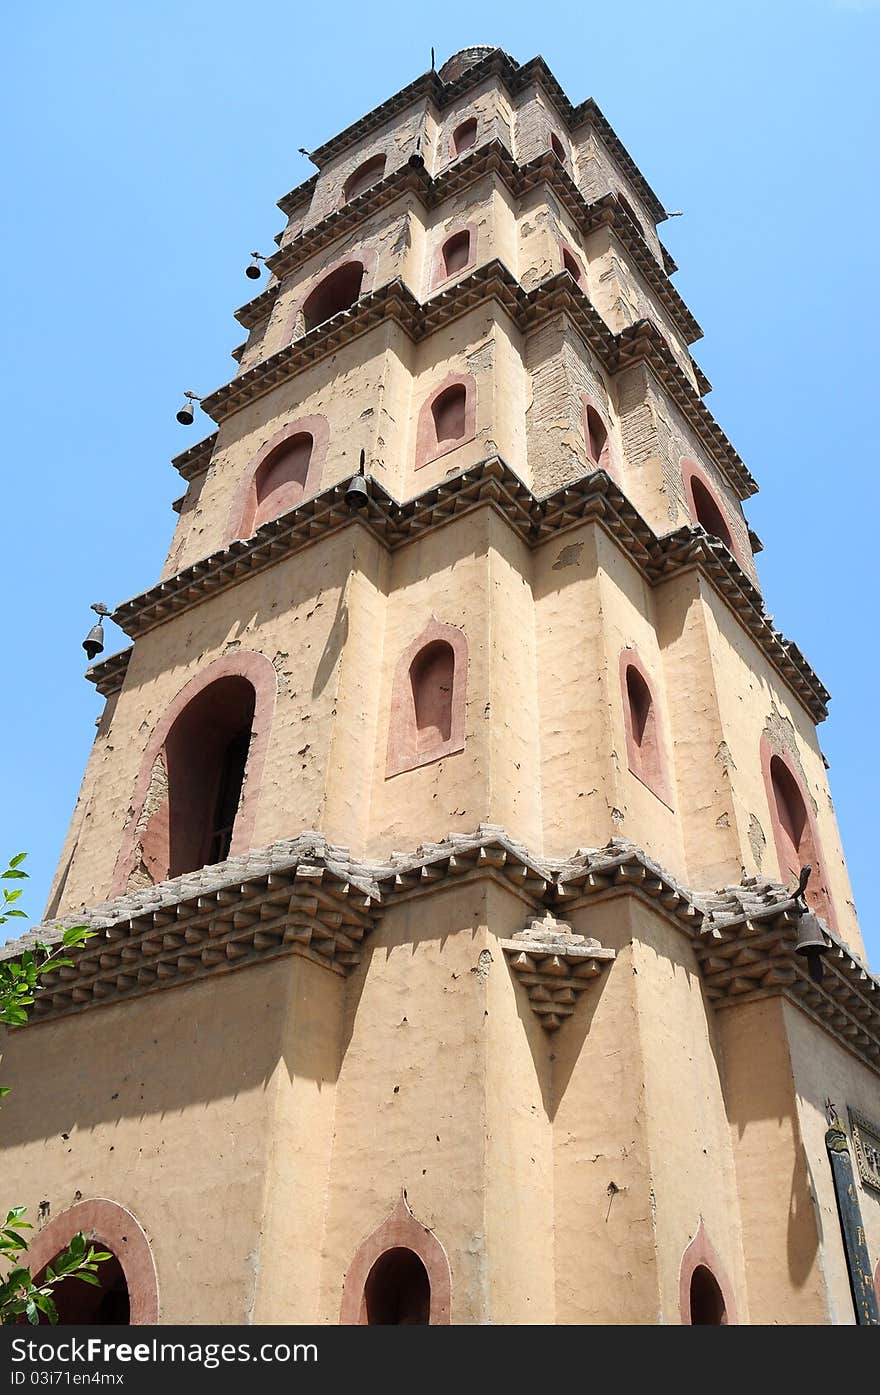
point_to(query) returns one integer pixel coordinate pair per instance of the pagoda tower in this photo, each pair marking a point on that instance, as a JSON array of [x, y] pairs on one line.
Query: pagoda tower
[[443, 827]]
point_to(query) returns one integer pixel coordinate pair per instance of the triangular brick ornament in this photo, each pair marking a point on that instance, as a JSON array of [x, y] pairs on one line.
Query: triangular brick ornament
[[555, 965]]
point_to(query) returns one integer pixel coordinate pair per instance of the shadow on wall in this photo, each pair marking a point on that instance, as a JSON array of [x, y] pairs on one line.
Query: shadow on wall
[[404, 930], [770, 1099], [333, 646], [162, 1053]]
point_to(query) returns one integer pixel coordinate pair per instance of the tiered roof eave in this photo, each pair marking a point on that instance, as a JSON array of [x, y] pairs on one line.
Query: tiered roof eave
[[395, 301], [430, 87], [493, 157], [306, 897], [534, 518]]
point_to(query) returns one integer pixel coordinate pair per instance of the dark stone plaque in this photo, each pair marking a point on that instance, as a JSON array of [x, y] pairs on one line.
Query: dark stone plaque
[[858, 1262]]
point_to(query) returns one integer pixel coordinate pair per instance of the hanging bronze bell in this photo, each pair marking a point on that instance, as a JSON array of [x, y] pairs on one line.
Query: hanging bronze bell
[[811, 943], [186, 416], [253, 271], [93, 643], [356, 495]]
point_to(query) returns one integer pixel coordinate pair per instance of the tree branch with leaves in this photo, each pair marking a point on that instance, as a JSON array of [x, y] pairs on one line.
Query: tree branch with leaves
[[20, 1298]]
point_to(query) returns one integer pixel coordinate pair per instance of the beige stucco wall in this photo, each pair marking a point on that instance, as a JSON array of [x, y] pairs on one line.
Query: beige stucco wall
[[779, 1231], [174, 1109], [437, 1094]]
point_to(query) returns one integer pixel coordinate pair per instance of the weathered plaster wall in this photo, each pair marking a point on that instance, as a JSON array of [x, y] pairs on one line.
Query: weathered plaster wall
[[627, 605], [692, 1171], [779, 1221], [295, 615], [751, 700], [602, 1166], [411, 1099], [174, 1119], [444, 576]]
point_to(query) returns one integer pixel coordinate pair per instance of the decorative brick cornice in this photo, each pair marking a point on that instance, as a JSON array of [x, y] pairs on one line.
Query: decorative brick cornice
[[304, 896], [641, 342], [302, 194], [195, 461], [393, 301], [491, 482], [300, 896], [291, 898], [746, 950], [491, 158], [260, 308], [108, 676], [515, 78], [487, 851], [621, 864]]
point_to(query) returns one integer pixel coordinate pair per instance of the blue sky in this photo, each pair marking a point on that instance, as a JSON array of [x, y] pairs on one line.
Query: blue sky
[[149, 144]]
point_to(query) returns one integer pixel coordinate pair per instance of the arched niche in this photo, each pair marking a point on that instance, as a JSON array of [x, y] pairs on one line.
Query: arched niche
[[707, 509], [428, 699], [645, 743], [457, 253], [572, 263], [364, 177], [147, 848], [335, 292], [290, 486], [705, 1294], [385, 1282], [447, 418], [128, 1283], [795, 835], [464, 137]]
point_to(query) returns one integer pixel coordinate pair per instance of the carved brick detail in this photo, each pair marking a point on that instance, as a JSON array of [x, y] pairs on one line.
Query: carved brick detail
[[555, 966]]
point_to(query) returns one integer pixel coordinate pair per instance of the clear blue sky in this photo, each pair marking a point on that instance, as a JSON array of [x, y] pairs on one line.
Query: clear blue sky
[[145, 148]]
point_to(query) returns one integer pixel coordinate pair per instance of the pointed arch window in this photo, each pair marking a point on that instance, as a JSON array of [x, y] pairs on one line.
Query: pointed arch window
[[558, 148], [198, 786], [706, 508], [364, 177], [705, 1296], [126, 1292], [464, 136], [447, 419], [428, 699], [644, 742], [794, 832], [596, 436], [338, 291], [572, 264], [205, 757], [399, 1276]]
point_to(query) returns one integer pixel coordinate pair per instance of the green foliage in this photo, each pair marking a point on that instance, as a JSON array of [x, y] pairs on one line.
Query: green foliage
[[20, 1297], [19, 977]]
